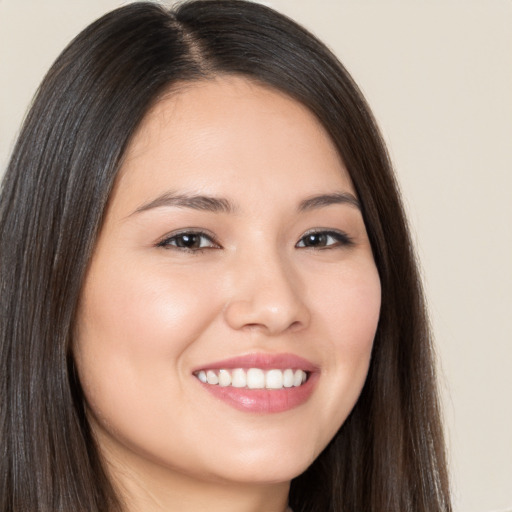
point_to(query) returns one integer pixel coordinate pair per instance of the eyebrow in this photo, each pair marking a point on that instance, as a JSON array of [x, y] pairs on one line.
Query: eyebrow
[[222, 205], [323, 200], [195, 202]]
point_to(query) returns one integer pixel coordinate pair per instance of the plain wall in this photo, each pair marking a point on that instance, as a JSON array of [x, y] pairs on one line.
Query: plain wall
[[438, 75]]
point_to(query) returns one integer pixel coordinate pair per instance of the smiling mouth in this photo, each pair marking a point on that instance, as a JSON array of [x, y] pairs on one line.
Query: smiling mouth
[[253, 378], [260, 383]]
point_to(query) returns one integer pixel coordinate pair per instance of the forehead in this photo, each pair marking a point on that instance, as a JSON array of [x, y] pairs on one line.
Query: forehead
[[229, 135]]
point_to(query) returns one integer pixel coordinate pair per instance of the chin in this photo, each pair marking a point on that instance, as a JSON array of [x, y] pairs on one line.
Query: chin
[[270, 466], [265, 473]]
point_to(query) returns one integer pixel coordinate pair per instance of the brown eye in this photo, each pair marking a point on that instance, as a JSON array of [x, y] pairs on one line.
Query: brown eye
[[324, 239], [189, 241], [316, 240]]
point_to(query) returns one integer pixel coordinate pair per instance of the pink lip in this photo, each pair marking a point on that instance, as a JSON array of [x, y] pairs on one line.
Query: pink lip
[[263, 361], [264, 401]]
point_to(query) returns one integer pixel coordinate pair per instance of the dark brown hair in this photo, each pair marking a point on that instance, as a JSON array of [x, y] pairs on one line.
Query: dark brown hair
[[389, 454]]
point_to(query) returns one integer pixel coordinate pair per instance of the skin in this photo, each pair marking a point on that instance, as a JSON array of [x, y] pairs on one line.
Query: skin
[[151, 313]]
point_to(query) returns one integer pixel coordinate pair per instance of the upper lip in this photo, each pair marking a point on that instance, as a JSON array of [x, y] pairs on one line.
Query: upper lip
[[261, 360]]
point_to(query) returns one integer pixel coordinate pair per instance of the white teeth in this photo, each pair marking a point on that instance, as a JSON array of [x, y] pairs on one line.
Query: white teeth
[[274, 379], [211, 377], [238, 379], [224, 378], [288, 378], [253, 378]]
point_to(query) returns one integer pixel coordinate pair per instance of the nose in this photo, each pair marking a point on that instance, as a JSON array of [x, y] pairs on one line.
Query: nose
[[266, 295]]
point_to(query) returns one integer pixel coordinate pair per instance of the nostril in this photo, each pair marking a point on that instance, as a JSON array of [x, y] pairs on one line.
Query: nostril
[[295, 326], [268, 327], [253, 327]]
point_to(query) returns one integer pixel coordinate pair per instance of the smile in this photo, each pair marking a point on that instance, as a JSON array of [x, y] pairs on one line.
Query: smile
[[253, 378], [260, 383]]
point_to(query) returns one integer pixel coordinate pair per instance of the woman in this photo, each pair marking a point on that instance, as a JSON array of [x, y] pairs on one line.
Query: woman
[[209, 297]]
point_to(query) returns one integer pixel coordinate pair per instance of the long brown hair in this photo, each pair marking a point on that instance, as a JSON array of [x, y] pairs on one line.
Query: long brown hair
[[389, 454]]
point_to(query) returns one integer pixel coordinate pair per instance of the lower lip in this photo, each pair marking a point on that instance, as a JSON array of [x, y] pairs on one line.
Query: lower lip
[[264, 401]]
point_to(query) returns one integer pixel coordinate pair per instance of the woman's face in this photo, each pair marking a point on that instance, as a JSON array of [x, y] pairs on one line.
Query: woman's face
[[233, 250]]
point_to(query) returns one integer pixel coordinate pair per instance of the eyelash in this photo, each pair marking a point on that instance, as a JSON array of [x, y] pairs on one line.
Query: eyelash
[[340, 238], [167, 241]]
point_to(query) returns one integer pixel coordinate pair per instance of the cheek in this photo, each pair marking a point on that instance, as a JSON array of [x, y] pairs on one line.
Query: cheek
[[144, 310], [349, 316], [349, 307], [358, 315], [358, 318], [132, 331]]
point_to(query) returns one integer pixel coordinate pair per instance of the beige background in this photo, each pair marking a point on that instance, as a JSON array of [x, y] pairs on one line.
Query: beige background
[[438, 75]]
